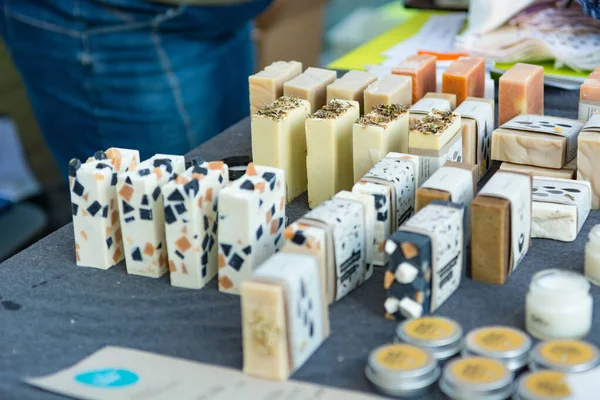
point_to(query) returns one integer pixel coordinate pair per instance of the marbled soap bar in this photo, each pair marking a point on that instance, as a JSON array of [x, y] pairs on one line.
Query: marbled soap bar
[[383, 130], [266, 86], [569, 171], [588, 157], [465, 77], [311, 85], [284, 316], [589, 100], [141, 210], [279, 140], [190, 202], [96, 225], [430, 102], [477, 119], [391, 89], [422, 70], [521, 91], [251, 223], [351, 86]]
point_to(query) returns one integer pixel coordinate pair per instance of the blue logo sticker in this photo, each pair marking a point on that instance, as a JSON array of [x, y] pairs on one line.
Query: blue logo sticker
[[107, 378]]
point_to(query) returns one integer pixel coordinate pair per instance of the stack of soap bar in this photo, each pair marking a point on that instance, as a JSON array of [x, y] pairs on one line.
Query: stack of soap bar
[[427, 257], [465, 77], [537, 140], [501, 226], [588, 157], [191, 225], [383, 130], [279, 140], [351, 86], [430, 102], [569, 171], [311, 85], [96, 225], [560, 207], [391, 184], [477, 118], [266, 86], [391, 89], [251, 223], [337, 233], [329, 150], [589, 96], [284, 316], [521, 91], [141, 210], [422, 70]]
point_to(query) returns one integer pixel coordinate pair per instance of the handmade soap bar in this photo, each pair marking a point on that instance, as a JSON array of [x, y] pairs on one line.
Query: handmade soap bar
[[560, 207], [311, 85], [588, 157], [432, 160], [589, 100], [383, 130], [329, 150], [96, 225], [521, 91], [537, 140], [191, 224], [351, 86], [266, 86], [465, 77], [422, 70], [141, 210], [426, 261], [501, 226], [569, 171], [477, 118], [251, 223], [430, 102], [435, 130], [279, 140], [391, 89], [284, 316]]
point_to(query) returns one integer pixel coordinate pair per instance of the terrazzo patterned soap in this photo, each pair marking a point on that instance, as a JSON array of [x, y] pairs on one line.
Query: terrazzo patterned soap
[[191, 202], [251, 223], [141, 210], [284, 316], [279, 140], [427, 260], [97, 230]]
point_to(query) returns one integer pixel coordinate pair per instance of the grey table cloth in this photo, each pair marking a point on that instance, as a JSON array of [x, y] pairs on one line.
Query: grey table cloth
[[53, 313]]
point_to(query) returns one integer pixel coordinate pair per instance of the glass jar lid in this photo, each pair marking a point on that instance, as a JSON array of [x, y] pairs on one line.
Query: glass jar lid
[[441, 336], [509, 345], [565, 355]]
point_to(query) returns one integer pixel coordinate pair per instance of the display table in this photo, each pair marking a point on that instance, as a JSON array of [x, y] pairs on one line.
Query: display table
[[54, 314]]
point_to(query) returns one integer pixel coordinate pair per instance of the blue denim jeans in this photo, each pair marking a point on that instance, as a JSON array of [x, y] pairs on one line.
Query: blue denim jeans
[[130, 73]]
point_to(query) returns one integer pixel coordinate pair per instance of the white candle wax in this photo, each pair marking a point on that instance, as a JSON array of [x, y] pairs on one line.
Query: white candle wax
[[558, 305], [592, 256]]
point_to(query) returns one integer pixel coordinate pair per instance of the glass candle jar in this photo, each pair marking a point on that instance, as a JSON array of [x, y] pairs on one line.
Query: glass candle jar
[[592, 256], [558, 305]]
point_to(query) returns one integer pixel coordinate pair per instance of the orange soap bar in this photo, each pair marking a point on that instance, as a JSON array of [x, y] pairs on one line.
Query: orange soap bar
[[465, 78], [521, 92], [590, 90], [422, 70]]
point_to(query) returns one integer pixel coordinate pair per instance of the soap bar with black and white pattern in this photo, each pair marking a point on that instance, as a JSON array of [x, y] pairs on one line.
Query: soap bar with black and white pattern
[[251, 224]]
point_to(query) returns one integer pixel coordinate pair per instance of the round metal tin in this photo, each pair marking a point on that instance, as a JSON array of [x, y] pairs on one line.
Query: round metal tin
[[442, 337], [508, 345], [564, 355], [543, 385]]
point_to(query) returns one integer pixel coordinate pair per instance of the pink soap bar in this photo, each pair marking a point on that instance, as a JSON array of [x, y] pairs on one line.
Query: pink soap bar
[[521, 92], [590, 90], [422, 70]]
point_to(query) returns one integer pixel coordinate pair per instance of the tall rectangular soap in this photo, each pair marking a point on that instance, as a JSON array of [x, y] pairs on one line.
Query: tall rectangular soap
[[391, 89], [521, 91], [311, 85], [266, 86], [477, 119], [589, 96], [588, 157], [465, 77], [422, 70], [351, 86]]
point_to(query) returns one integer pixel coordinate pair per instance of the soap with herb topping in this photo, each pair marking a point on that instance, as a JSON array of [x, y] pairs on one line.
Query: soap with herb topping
[[435, 130], [351, 86], [569, 171], [391, 89], [383, 130], [311, 85], [266, 86], [430, 102], [465, 77], [521, 91], [589, 96], [279, 140], [422, 69], [329, 150]]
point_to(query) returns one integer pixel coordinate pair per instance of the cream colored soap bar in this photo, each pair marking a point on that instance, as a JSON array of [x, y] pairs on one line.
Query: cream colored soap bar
[[279, 140], [391, 89], [329, 150], [431, 101], [311, 85], [383, 130], [477, 118], [266, 86], [588, 157], [589, 100], [569, 171], [521, 91], [351, 86], [435, 131]]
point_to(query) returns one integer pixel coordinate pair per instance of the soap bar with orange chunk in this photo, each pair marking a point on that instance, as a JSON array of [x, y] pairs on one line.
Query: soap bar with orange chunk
[[431, 101], [266, 86], [569, 171], [98, 240], [190, 203], [391, 89], [521, 91], [465, 77], [422, 69], [311, 85], [141, 210], [251, 222], [589, 96], [351, 86]]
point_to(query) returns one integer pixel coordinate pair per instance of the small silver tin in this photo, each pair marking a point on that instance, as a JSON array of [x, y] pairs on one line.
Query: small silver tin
[[508, 345], [442, 337], [543, 385], [564, 355]]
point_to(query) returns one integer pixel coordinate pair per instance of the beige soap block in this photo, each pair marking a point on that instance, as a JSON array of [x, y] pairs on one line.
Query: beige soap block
[[589, 100], [470, 134], [569, 171], [279, 140], [351, 86], [311, 85], [431, 101], [521, 91], [383, 130], [329, 150], [588, 158], [391, 89], [435, 130], [266, 86]]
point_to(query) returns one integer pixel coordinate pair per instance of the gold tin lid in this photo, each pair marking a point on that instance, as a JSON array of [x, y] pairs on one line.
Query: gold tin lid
[[565, 355], [543, 385], [506, 344], [441, 336]]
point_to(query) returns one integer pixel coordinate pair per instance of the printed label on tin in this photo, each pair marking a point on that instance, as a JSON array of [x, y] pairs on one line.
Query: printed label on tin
[[550, 384], [499, 339], [568, 352], [479, 370], [429, 328], [402, 357]]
